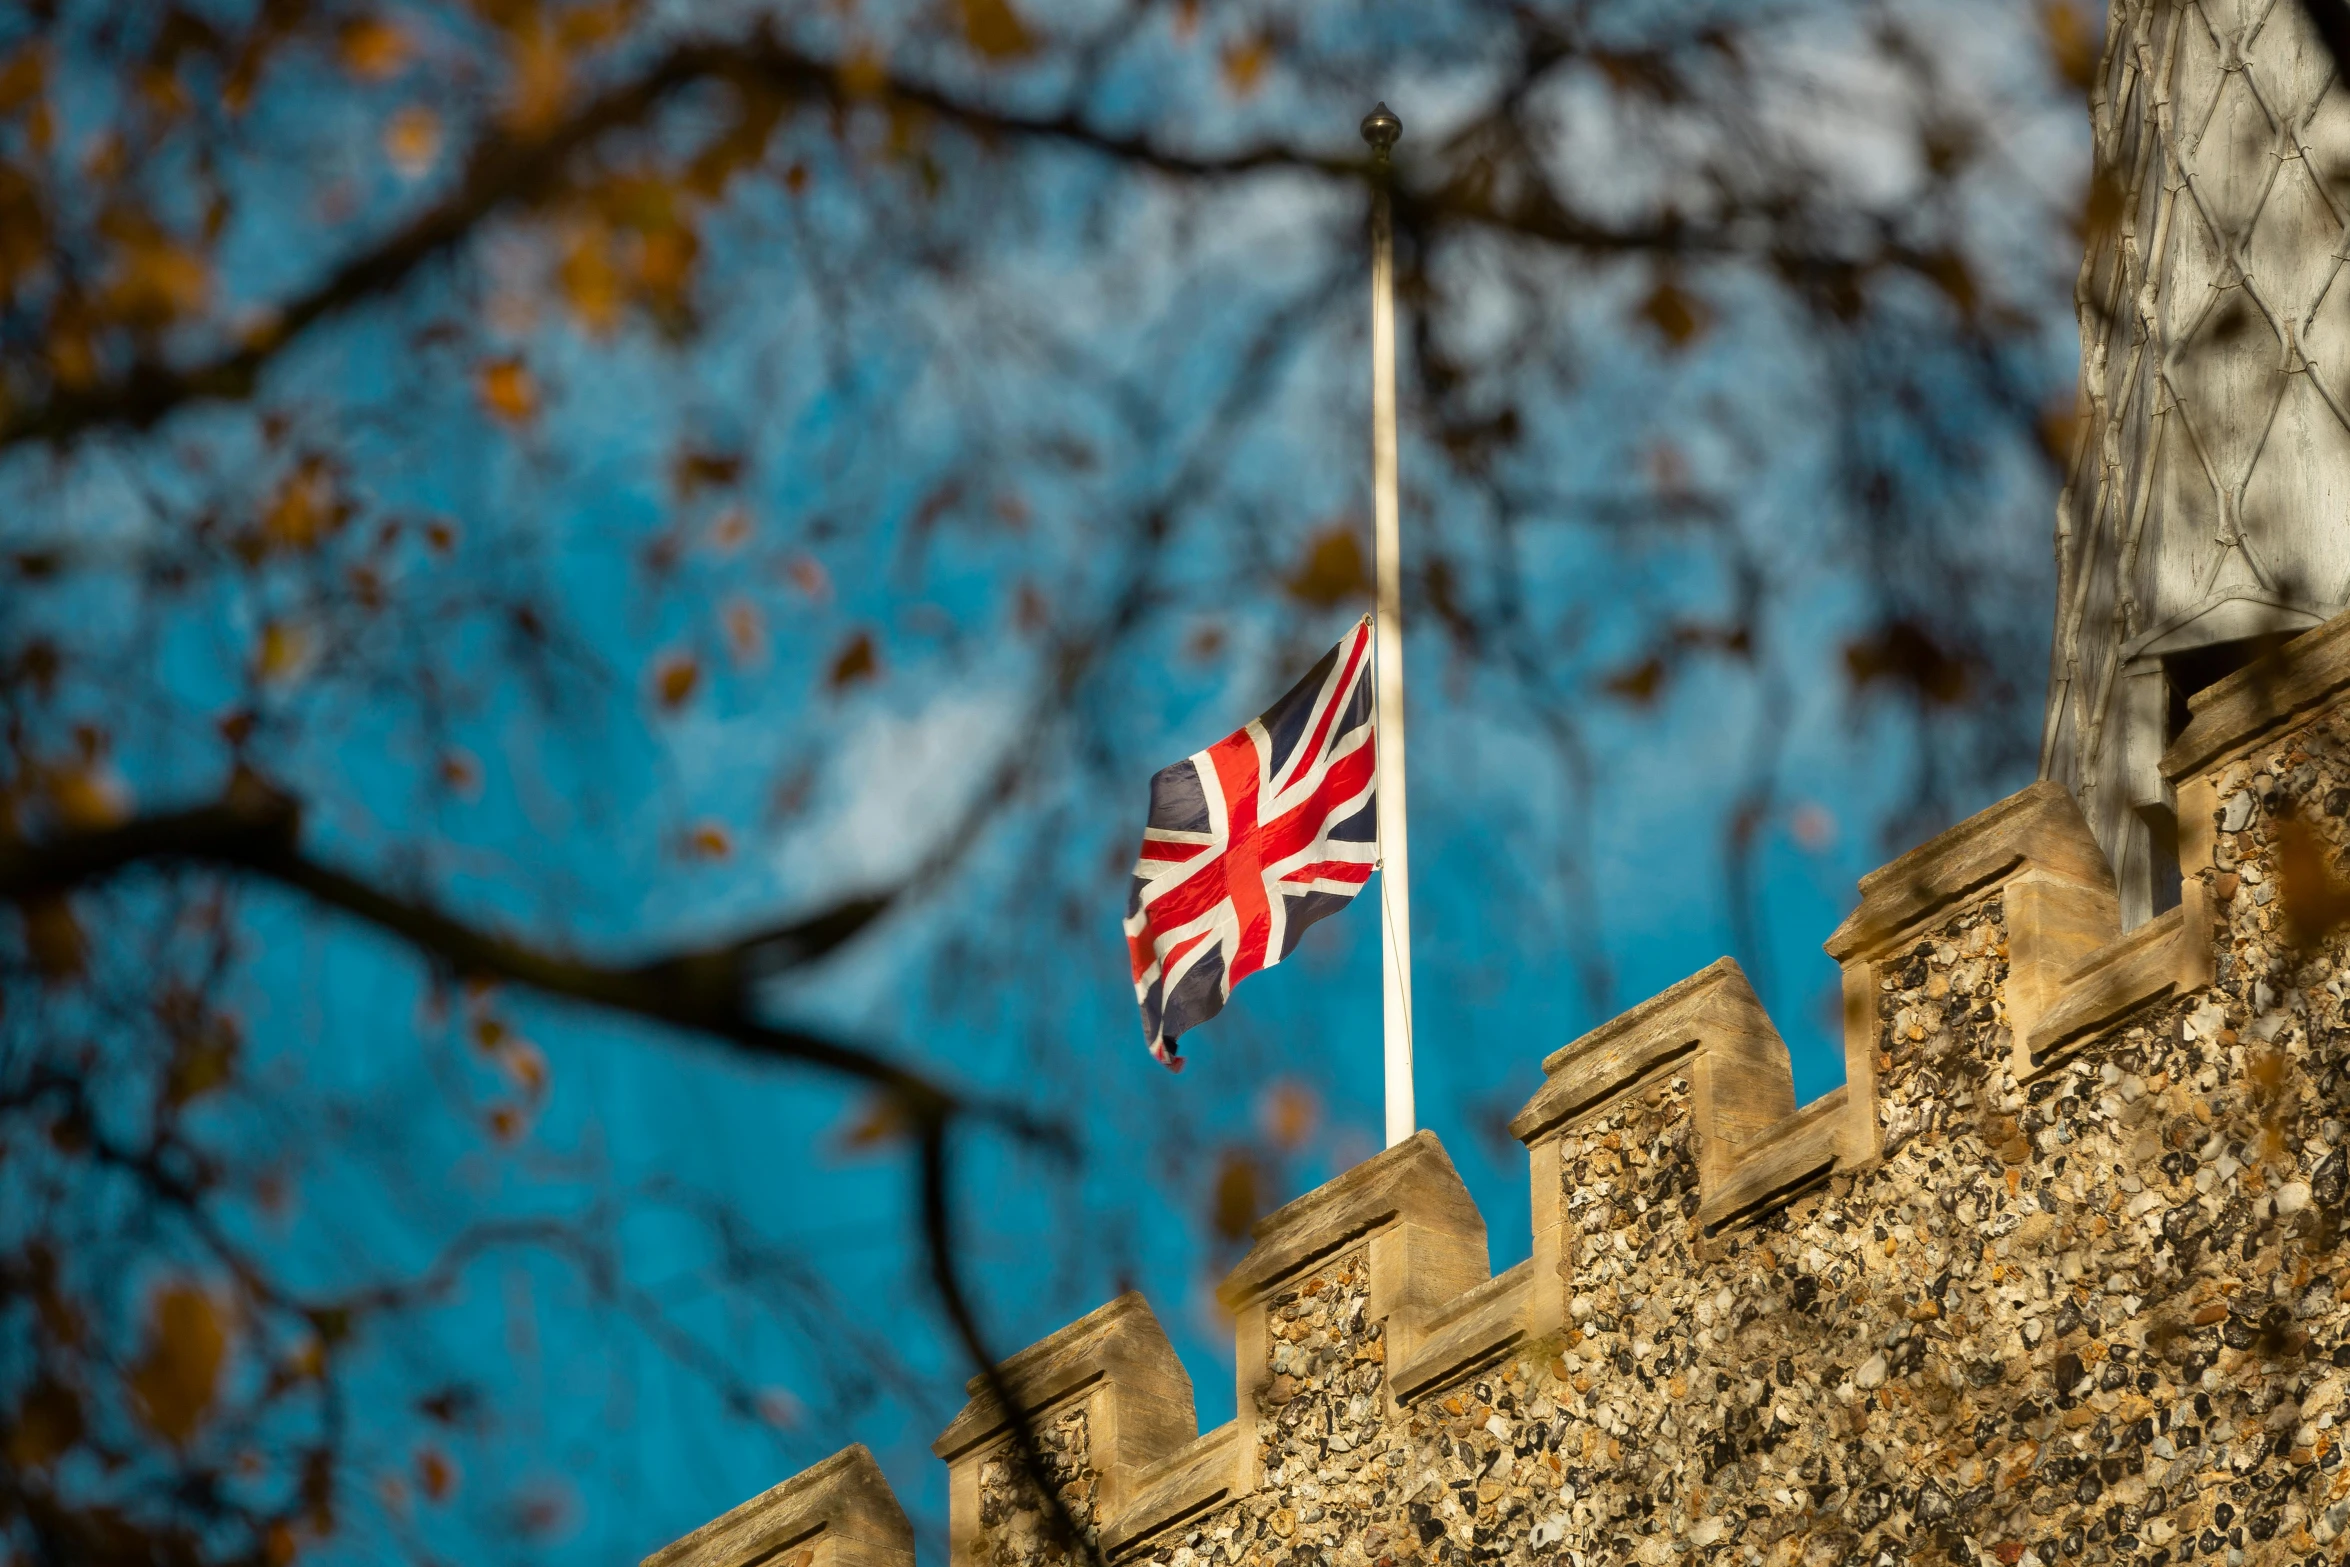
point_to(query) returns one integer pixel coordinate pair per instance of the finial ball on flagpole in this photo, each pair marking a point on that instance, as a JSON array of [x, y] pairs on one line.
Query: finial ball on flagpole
[[1381, 129]]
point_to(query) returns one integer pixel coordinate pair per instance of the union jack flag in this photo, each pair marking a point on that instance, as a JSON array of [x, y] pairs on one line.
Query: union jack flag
[[1249, 842]]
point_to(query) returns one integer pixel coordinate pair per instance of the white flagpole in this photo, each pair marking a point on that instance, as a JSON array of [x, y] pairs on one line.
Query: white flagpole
[[1380, 129]]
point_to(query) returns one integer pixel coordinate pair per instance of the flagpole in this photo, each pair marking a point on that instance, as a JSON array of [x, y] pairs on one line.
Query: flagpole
[[1380, 129]]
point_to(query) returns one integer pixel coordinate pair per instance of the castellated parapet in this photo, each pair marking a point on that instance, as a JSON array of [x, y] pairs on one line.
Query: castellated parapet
[[2058, 1275]]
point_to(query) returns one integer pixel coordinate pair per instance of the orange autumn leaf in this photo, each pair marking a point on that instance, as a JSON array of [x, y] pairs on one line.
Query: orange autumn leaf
[[505, 1123], [526, 1064], [856, 661], [675, 679], [373, 48], [994, 29], [863, 72], [1289, 1112], [412, 141], [285, 651], [1244, 65], [709, 841], [590, 282], [157, 281], [508, 391], [88, 795], [173, 1385], [2072, 42], [540, 76], [460, 773], [305, 508], [665, 263]]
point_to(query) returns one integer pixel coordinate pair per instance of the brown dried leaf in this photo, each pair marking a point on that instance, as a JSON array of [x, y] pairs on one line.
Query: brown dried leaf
[[1903, 654], [2059, 423], [2072, 44], [539, 76], [48, 1424], [1639, 683], [53, 936], [436, 1475], [412, 141], [1238, 1196], [695, 469], [856, 661], [1679, 316], [994, 29], [204, 1056], [1332, 571], [882, 1120], [675, 679], [172, 1387], [373, 48]]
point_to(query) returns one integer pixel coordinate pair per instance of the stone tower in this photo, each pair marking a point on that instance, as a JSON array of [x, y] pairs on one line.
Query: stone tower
[[2207, 514]]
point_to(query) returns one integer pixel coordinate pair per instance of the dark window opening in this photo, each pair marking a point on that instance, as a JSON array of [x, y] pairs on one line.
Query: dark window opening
[[2198, 667]]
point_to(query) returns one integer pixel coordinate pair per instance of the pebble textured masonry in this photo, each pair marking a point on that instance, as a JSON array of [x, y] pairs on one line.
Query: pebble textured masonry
[[2092, 1310], [1015, 1529], [1941, 1024]]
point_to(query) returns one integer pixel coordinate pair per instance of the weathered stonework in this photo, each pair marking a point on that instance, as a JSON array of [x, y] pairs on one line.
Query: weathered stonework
[[2059, 1276]]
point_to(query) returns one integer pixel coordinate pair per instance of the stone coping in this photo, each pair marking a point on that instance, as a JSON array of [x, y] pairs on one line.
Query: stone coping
[[1666, 1027], [1470, 1330], [2268, 693], [843, 1497], [2168, 955], [1412, 1183], [1178, 1487], [1120, 1343], [1779, 1164], [2040, 824]]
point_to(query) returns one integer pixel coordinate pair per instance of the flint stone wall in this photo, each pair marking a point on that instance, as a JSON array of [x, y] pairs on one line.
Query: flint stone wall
[[2060, 1276]]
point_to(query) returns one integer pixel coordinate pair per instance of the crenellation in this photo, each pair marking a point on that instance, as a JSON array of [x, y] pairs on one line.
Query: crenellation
[[837, 1513], [1106, 1396], [2062, 1278], [2028, 866]]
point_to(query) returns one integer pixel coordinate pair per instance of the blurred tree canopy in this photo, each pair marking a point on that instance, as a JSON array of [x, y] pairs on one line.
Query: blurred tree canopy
[[613, 511]]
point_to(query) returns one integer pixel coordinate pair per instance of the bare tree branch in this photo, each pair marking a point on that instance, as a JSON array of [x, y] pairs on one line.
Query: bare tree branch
[[256, 828]]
